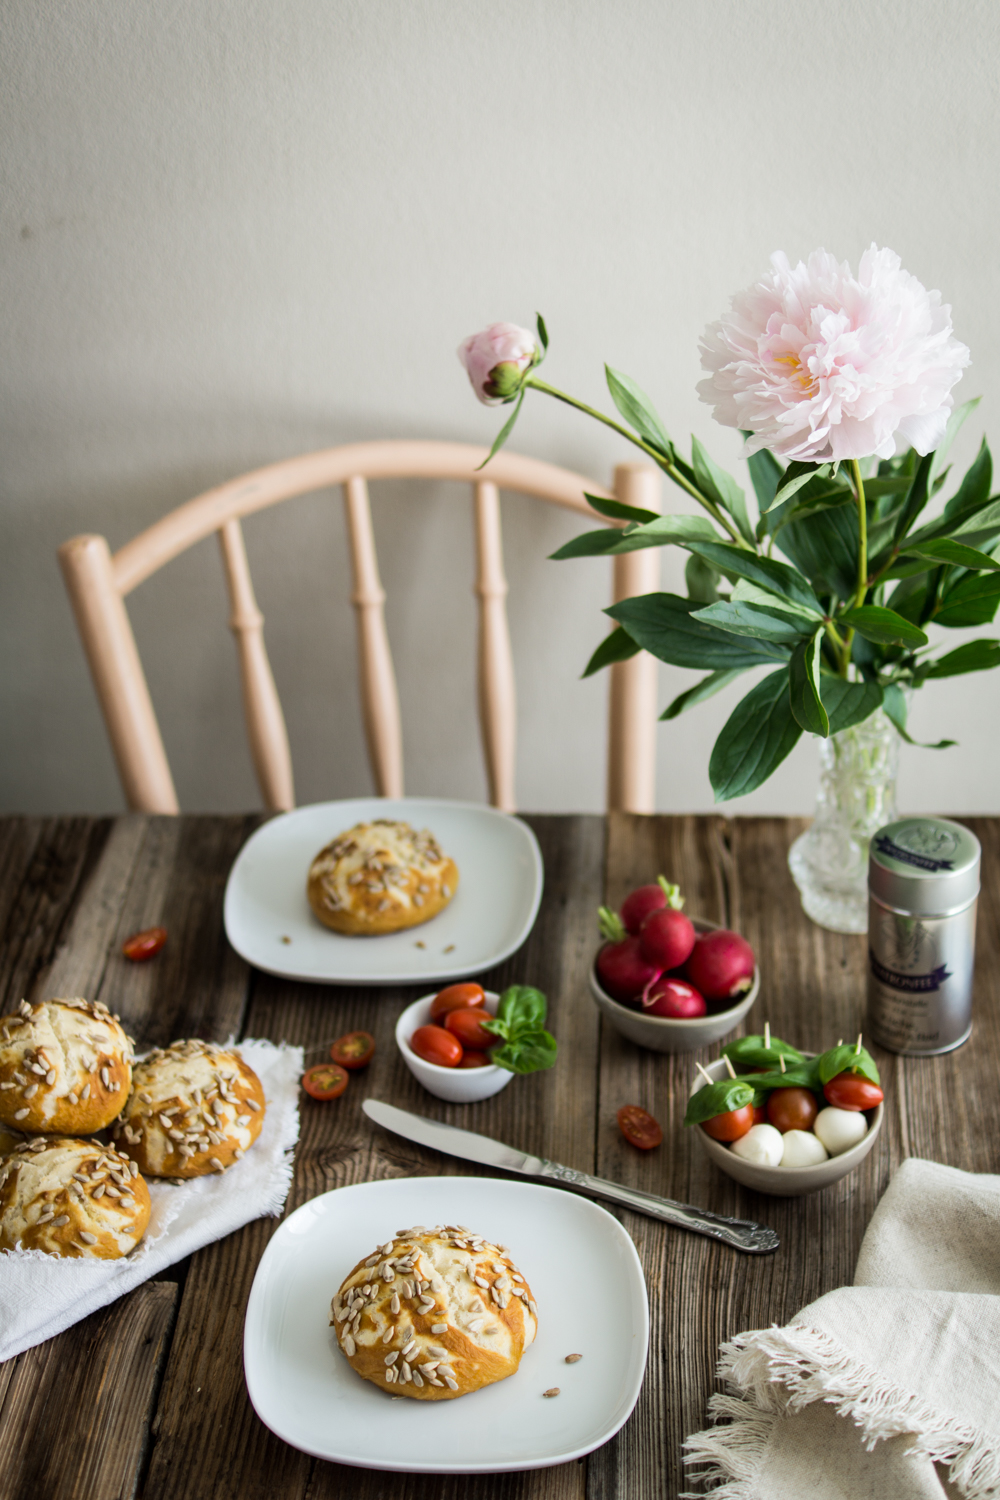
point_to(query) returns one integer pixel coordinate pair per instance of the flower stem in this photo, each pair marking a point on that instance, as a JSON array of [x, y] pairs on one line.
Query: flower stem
[[658, 458], [862, 587]]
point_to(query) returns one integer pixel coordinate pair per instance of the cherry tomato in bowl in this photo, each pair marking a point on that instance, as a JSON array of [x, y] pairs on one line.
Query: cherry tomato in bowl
[[324, 1081], [457, 997], [462, 1083], [792, 1109], [731, 1125], [355, 1050], [851, 1091], [467, 1025], [474, 1060], [639, 1128], [143, 945], [435, 1045]]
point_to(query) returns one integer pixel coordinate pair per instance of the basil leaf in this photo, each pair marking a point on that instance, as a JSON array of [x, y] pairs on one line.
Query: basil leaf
[[800, 1075], [522, 1007], [718, 1099], [844, 1059], [750, 1052], [532, 1052]]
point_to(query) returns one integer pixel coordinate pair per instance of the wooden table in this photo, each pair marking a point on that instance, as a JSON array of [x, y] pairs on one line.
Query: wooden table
[[147, 1397]]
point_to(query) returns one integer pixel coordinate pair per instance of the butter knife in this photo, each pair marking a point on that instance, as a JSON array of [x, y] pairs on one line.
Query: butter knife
[[742, 1234]]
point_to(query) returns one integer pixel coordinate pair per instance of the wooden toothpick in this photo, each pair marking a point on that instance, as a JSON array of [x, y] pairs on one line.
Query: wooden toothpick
[[729, 1068], [706, 1075], [767, 1034]]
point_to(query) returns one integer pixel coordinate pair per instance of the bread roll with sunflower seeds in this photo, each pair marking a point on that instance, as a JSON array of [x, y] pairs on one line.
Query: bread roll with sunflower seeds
[[65, 1068], [195, 1108], [434, 1314], [72, 1198], [380, 877], [8, 1140]]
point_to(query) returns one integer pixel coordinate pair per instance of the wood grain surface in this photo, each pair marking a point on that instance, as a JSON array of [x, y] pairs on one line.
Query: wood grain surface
[[147, 1397]]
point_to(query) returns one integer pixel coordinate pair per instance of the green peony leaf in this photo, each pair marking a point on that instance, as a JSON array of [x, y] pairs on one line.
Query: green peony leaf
[[765, 475], [720, 487], [944, 550], [618, 646], [848, 703], [702, 580], [588, 544], [974, 656], [505, 431], [803, 687], [638, 411], [615, 510], [755, 739], [973, 601], [894, 707], [796, 476], [884, 626], [766, 572], [663, 624], [756, 621], [663, 530], [706, 688]]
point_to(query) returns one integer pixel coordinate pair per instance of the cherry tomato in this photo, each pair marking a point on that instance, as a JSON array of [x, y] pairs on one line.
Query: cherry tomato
[[435, 1045], [474, 1060], [760, 1114], [456, 997], [639, 1128], [355, 1050], [792, 1109], [731, 1125], [324, 1081], [143, 945], [467, 1025], [851, 1091]]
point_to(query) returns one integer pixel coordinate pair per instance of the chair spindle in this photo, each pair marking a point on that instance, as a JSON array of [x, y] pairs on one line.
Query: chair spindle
[[379, 698], [497, 698]]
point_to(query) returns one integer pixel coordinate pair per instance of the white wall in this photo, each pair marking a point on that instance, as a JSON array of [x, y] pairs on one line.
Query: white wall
[[234, 230]]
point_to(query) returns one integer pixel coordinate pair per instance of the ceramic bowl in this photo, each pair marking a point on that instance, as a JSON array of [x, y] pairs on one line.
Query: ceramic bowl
[[784, 1182], [456, 1085], [660, 1033]]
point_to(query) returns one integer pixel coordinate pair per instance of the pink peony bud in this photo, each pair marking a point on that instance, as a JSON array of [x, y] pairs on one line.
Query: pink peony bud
[[497, 361]]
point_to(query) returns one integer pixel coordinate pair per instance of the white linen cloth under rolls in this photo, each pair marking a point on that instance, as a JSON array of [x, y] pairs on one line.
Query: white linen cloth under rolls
[[41, 1294], [871, 1387]]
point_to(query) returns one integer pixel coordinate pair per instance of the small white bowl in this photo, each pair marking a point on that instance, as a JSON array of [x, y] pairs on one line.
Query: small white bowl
[[784, 1182], [661, 1033], [457, 1085]]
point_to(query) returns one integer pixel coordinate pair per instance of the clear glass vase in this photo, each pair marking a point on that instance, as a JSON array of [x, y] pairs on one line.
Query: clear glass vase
[[857, 794]]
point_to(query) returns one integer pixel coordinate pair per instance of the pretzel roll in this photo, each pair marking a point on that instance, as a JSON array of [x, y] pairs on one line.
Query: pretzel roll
[[380, 877], [8, 1140], [434, 1314], [71, 1197], [195, 1107], [65, 1067]]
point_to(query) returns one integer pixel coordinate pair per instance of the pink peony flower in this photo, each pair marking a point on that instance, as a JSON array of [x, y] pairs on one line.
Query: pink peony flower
[[817, 364], [497, 359]]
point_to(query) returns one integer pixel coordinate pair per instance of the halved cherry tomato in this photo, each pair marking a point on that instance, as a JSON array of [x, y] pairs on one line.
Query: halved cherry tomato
[[456, 997], [474, 1060], [355, 1050], [792, 1109], [639, 1128], [324, 1081], [435, 1045], [851, 1091], [467, 1025], [729, 1126], [143, 945]]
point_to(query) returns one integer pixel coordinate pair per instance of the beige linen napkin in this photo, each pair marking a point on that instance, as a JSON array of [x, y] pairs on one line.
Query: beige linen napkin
[[871, 1387]]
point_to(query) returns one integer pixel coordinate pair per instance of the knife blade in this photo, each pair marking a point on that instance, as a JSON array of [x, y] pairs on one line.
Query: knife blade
[[742, 1234]]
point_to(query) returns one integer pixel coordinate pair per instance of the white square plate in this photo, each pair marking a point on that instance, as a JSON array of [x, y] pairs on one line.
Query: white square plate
[[585, 1275], [492, 912]]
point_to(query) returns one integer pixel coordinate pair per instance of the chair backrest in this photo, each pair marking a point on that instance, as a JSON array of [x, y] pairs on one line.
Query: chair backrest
[[98, 583]]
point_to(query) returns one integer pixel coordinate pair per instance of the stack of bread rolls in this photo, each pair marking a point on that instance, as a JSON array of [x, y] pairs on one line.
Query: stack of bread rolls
[[66, 1072]]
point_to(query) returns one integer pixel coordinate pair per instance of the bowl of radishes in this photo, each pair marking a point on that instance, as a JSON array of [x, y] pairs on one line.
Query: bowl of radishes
[[667, 981]]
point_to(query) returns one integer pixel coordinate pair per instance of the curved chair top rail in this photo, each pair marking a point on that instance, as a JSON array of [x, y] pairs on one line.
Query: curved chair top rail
[[139, 558]]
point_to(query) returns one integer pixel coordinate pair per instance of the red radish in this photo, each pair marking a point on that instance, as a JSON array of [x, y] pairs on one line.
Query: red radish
[[639, 904], [721, 965], [674, 998], [621, 969], [667, 938]]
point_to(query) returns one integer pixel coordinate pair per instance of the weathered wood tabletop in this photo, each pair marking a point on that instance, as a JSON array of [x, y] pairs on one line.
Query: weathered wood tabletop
[[147, 1397]]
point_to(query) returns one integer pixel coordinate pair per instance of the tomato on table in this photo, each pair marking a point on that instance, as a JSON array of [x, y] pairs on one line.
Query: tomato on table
[[851, 1091], [355, 1050], [792, 1109], [457, 997], [639, 1128], [143, 945], [467, 1025], [474, 1060], [324, 1081], [435, 1045], [730, 1125]]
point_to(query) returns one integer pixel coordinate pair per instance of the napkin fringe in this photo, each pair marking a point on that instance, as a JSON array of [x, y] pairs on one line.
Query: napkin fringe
[[786, 1369]]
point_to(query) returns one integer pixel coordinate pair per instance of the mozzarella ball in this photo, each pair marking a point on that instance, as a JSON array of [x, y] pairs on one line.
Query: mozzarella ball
[[840, 1129], [762, 1144], [800, 1148]]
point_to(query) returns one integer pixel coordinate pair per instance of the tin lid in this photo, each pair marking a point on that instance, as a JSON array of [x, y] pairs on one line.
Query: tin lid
[[924, 865]]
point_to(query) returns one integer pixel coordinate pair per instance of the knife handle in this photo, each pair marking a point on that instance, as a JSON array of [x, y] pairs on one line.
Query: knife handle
[[742, 1234]]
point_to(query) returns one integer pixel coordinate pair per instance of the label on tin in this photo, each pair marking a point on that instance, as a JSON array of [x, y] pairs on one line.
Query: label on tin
[[910, 983], [916, 855]]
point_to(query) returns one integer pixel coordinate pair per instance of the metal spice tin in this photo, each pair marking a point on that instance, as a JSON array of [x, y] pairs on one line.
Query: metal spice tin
[[923, 884]]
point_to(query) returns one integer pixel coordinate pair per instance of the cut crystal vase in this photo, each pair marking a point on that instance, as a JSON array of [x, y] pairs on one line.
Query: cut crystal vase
[[857, 794]]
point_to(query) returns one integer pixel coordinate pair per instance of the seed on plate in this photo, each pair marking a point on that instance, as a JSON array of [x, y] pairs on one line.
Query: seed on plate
[[571, 1359], [553, 1390]]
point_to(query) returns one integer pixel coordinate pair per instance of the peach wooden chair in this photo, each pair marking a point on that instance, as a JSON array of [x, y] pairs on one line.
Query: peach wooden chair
[[98, 582]]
